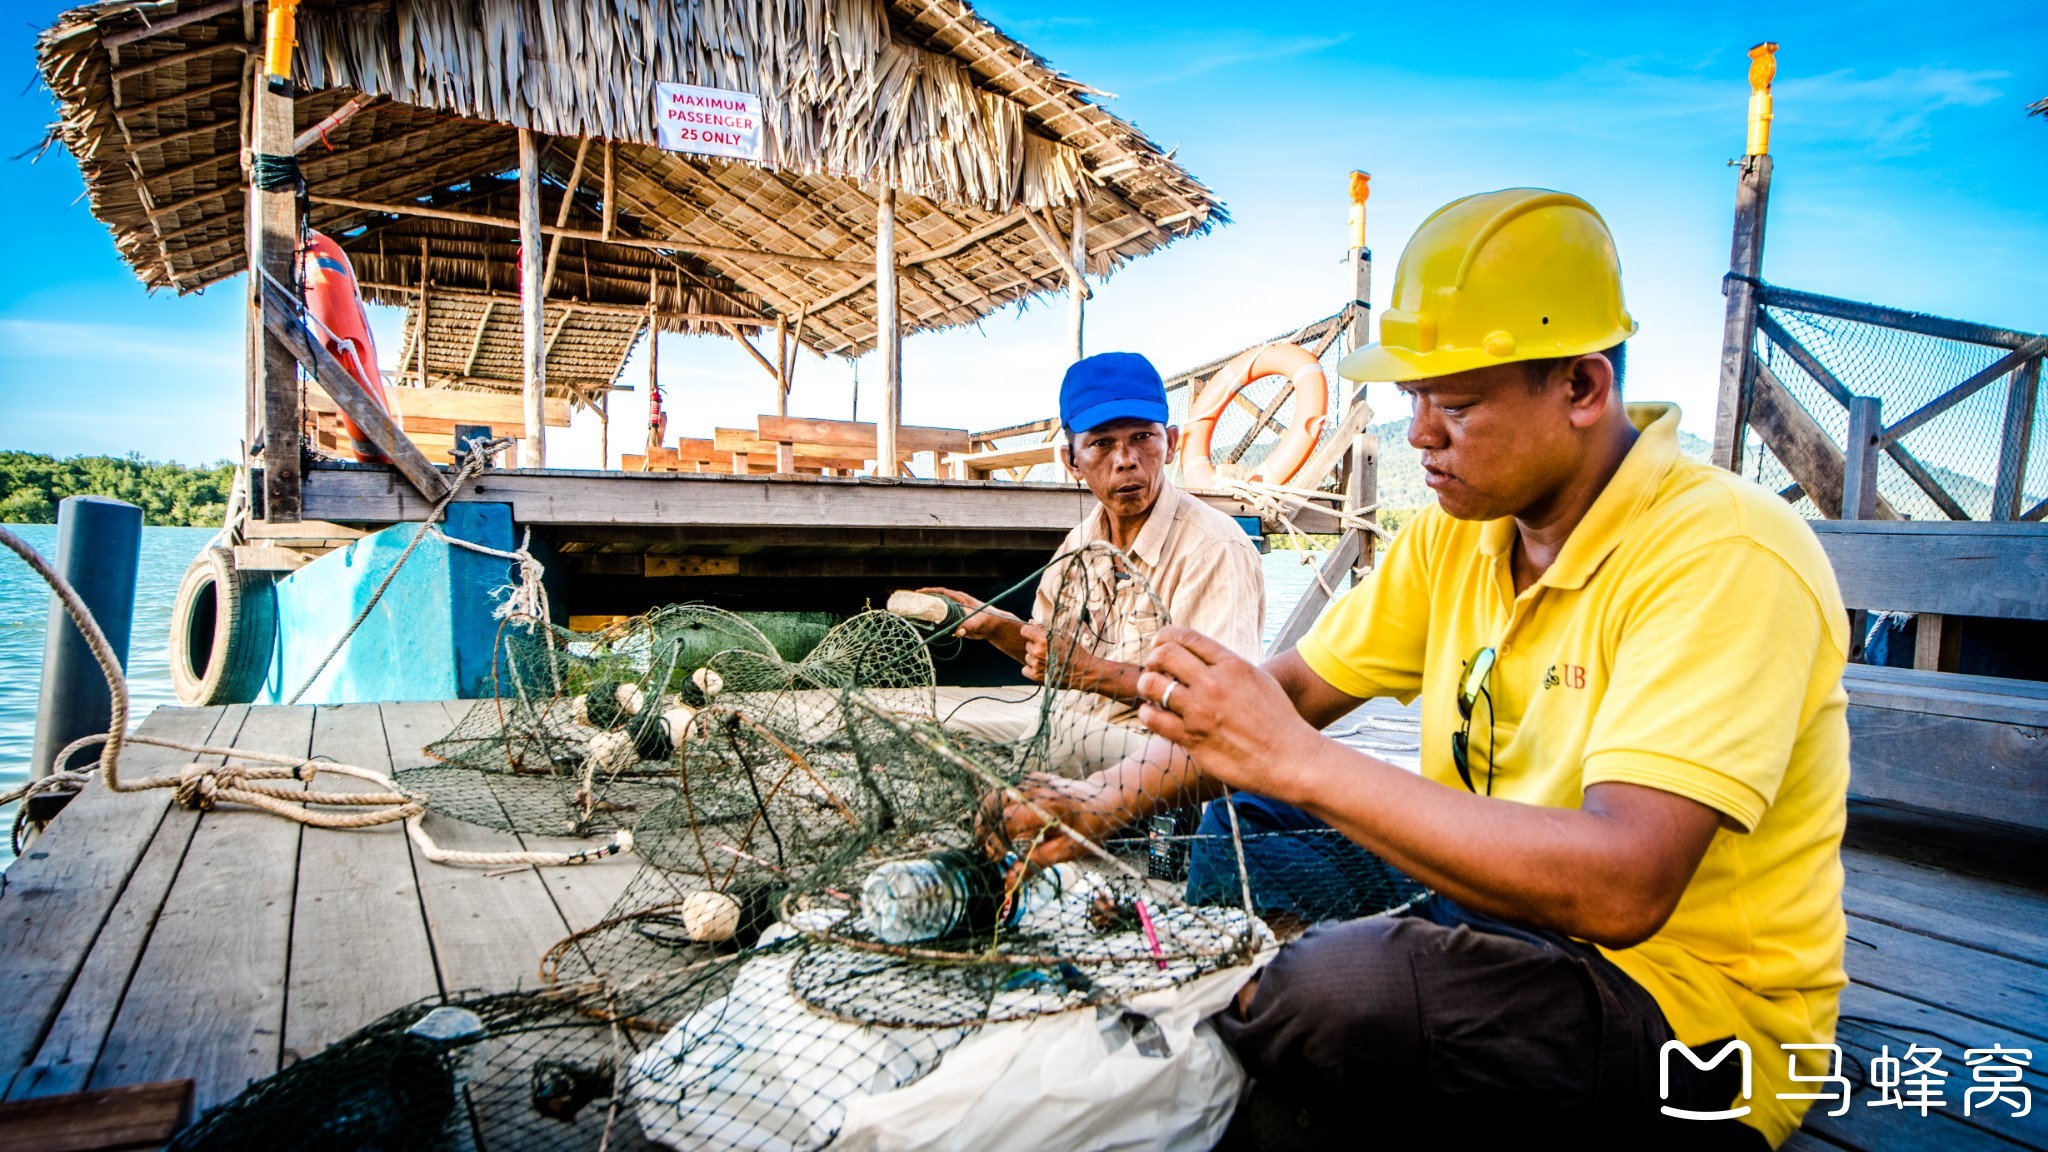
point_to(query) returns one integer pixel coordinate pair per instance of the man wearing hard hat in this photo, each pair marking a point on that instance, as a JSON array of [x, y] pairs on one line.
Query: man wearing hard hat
[[1634, 746]]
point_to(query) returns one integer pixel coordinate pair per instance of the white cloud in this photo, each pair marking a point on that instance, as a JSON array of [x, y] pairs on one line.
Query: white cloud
[[1888, 114], [81, 345], [1243, 48]]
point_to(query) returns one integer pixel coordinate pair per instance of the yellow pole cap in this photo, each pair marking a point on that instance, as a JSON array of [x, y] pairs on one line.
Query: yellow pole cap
[[1763, 66], [281, 35], [1360, 189]]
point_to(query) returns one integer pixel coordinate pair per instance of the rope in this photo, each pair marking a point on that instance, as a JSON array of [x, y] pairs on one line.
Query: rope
[[276, 173], [473, 462], [1282, 502], [525, 600], [240, 778]]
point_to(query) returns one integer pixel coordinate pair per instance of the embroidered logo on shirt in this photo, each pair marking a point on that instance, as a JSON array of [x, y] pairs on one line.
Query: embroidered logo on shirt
[[1569, 675]]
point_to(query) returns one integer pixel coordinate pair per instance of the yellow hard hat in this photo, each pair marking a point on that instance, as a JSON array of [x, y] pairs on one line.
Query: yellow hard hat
[[1519, 274]]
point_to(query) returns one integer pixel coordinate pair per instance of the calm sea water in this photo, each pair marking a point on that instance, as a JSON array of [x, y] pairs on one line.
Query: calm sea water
[[24, 608]]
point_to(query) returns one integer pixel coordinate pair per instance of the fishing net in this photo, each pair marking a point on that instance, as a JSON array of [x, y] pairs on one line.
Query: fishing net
[[824, 910], [575, 738]]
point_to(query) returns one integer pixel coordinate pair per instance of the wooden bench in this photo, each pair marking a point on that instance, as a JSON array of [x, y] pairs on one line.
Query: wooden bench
[[981, 465], [428, 417], [696, 455], [787, 438], [1927, 736], [990, 456]]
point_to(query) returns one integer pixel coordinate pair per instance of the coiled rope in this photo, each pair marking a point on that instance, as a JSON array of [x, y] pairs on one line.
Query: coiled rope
[[242, 777]]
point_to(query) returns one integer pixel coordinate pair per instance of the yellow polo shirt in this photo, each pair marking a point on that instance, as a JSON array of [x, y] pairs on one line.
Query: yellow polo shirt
[[1690, 637]]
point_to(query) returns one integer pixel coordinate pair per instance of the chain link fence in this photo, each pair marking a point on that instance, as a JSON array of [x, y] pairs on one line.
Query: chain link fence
[[1961, 406]]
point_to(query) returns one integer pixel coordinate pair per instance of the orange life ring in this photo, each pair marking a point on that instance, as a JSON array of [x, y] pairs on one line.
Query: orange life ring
[[1311, 407], [336, 305]]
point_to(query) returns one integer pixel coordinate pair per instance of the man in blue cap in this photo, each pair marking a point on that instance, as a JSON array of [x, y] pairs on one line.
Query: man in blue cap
[[1193, 561]]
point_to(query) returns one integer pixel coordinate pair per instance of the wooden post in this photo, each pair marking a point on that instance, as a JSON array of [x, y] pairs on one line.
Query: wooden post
[[1362, 479], [1077, 290], [1362, 493], [274, 241], [1937, 646], [419, 321], [1738, 327], [532, 285], [654, 434], [781, 366], [888, 332], [604, 428], [1859, 470], [1361, 264], [2014, 438], [1745, 265]]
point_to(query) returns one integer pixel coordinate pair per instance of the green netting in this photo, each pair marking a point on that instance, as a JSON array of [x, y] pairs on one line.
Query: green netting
[[821, 909]]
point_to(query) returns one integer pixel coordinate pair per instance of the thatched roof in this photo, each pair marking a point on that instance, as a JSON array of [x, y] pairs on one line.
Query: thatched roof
[[976, 132]]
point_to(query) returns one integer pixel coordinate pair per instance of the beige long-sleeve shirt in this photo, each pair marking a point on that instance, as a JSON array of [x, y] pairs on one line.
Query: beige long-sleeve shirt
[[1195, 568]]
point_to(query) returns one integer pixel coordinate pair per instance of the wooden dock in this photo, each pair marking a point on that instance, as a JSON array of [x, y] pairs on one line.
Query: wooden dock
[[141, 942], [144, 942]]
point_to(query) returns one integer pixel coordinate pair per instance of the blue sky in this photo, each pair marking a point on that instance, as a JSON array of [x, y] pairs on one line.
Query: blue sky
[[1907, 173]]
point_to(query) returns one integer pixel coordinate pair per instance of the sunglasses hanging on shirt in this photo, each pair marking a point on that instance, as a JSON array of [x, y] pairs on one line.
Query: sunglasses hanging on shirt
[[1471, 690]]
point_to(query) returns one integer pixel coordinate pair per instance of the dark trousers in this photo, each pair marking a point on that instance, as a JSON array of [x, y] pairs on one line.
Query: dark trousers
[[1438, 1022]]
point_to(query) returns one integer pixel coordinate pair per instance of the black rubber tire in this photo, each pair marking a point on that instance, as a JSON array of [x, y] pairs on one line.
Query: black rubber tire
[[223, 627]]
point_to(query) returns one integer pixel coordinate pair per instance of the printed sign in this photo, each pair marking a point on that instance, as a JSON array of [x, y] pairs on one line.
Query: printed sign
[[708, 121]]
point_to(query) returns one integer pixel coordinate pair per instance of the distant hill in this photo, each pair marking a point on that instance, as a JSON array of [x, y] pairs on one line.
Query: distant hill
[[1401, 483]]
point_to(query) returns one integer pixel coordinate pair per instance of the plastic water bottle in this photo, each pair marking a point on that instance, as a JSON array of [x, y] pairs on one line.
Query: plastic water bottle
[[948, 894]]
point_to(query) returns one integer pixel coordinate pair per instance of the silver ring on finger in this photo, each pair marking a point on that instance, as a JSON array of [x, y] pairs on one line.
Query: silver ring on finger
[[1166, 697]]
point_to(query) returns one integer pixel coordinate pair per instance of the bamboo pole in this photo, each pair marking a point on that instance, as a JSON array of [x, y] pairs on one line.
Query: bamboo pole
[[1077, 289], [611, 214], [1055, 249], [531, 286], [562, 214], [419, 322], [888, 332]]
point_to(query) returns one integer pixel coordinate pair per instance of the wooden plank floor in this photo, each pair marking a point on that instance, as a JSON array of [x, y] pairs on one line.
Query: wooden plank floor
[[142, 942]]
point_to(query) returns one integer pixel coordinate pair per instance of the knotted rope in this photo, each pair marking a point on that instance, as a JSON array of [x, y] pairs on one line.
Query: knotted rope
[[1283, 503], [241, 776]]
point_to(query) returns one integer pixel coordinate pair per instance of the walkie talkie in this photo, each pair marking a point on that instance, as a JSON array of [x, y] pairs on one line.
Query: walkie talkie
[[1166, 842]]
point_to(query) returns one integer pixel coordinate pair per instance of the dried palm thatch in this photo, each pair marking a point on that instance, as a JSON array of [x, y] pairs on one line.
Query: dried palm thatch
[[993, 153]]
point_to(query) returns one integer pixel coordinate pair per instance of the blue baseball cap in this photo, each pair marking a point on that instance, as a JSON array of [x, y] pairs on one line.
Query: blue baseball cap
[[1111, 386]]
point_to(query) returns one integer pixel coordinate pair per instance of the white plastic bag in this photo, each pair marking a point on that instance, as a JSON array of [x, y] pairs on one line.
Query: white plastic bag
[[1083, 1079], [756, 1069]]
